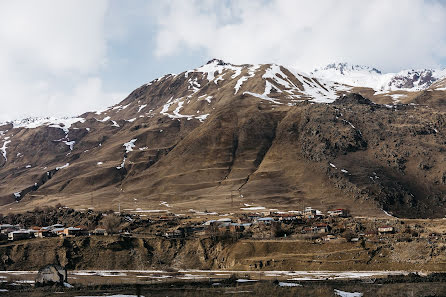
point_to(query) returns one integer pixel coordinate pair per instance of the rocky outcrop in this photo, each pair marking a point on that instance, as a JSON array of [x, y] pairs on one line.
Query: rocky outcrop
[[50, 275]]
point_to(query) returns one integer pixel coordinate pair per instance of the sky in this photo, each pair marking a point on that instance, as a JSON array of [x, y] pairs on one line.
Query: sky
[[66, 57]]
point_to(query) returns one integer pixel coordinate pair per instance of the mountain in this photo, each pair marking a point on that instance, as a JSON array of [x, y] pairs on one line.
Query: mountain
[[227, 137], [364, 76]]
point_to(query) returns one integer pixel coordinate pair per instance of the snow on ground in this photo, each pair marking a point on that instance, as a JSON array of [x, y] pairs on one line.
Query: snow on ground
[[129, 145], [202, 213], [212, 67], [176, 113], [253, 208], [62, 167], [122, 164], [347, 294], [164, 203], [139, 210], [318, 91], [275, 73], [241, 280], [105, 119], [119, 295], [321, 91], [208, 99], [4, 147], [141, 107], [387, 214], [99, 163], [115, 124], [61, 123], [268, 88], [202, 117], [397, 97], [70, 144], [251, 73], [285, 284], [363, 76]]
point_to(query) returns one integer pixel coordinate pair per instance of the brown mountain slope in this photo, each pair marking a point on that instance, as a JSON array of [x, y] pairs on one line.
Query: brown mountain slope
[[222, 136]]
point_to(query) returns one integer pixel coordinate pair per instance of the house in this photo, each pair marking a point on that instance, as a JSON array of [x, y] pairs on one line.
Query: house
[[72, 231], [310, 213], [56, 226], [174, 234], [252, 217], [317, 228], [18, 235], [57, 231], [99, 231], [266, 221], [340, 212], [386, 230], [43, 232], [287, 217], [320, 228], [328, 237], [370, 234]]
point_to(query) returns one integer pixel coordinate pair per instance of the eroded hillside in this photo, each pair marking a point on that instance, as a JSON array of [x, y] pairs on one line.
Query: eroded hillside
[[224, 135]]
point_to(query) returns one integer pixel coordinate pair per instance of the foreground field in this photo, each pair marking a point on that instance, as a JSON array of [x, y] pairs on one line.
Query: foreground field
[[397, 286]]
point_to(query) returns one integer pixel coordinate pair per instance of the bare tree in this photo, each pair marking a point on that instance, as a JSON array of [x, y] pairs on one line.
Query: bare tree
[[111, 223]]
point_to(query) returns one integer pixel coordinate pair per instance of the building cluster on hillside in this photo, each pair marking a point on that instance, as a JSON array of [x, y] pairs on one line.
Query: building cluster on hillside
[[16, 232], [238, 223], [307, 224]]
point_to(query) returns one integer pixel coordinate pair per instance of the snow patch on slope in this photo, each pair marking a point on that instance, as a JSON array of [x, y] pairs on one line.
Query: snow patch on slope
[[218, 66], [251, 73], [129, 145], [4, 147], [31, 123]]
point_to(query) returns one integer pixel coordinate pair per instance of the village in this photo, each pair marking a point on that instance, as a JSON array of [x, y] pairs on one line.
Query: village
[[308, 224]]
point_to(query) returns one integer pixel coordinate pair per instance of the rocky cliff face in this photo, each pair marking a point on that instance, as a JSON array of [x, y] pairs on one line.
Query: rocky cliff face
[[224, 135], [113, 253]]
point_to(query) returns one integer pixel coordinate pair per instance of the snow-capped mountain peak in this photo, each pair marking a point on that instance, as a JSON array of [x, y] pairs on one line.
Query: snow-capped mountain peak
[[345, 68], [365, 76]]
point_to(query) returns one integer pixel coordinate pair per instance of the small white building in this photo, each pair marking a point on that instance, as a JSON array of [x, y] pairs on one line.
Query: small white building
[[386, 229]]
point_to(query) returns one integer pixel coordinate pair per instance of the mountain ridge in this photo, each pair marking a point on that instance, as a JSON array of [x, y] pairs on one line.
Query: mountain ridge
[[223, 135]]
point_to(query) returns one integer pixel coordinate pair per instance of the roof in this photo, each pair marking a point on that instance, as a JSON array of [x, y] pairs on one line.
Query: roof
[[224, 220], [321, 225]]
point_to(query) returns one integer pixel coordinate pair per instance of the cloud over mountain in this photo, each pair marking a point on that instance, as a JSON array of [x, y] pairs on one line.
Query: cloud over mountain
[[390, 35]]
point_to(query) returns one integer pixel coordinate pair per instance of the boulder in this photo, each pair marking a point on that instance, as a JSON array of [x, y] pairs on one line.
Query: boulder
[[51, 275]]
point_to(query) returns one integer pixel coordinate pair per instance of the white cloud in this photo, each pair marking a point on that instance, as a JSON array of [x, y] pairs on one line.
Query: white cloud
[[390, 35], [50, 55], [55, 35]]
